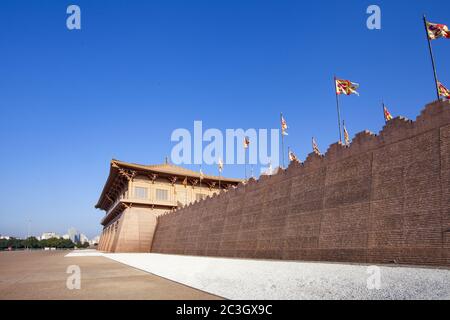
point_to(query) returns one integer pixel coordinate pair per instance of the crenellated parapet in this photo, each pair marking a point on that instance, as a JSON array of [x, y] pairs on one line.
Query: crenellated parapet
[[432, 116], [384, 198]]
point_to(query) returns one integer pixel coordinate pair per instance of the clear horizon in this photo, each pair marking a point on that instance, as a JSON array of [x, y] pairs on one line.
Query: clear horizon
[[61, 234]]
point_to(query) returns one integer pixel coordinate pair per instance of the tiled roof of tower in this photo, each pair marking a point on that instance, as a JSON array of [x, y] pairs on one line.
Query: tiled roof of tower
[[169, 168], [160, 169]]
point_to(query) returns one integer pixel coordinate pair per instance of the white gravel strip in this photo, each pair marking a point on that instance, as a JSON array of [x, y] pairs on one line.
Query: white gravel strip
[[85, 253], [262, 279]]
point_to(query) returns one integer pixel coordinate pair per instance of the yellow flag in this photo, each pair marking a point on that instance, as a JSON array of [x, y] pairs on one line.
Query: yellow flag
[[246, 142], [346, 136], [315, 147], [292, 156], [284, 126], [346, 87], [443, 91]]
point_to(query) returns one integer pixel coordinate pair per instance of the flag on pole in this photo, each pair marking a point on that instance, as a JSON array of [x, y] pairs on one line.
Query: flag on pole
[[346, 136], [284, 126], [433, 31], [292, 156], [387, 114], [185, 182], [315, 147], [346, 87], [436, 31], [246, 142], [267, 171], [201, 174], [220, 164], [443, 91]]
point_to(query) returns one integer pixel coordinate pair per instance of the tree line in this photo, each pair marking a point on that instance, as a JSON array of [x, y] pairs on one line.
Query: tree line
[[34, 243]]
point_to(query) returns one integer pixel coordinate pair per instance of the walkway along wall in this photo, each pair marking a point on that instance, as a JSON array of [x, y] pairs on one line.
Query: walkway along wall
[[383, 199]]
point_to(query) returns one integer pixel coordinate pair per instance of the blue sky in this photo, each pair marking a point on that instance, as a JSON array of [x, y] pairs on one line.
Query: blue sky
[[72, 100]]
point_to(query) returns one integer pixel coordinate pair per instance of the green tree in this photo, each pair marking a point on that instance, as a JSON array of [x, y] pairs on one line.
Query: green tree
[[43, 243], [31, 242], [53, 242], [67, 244], [3, 244], [14, 243]]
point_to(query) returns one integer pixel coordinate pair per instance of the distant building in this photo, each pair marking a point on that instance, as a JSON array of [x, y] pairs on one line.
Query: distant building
[[74, 235], [49, 235], [66, 237], [4, 237], [94, 240], [83, 238], [135, 195]]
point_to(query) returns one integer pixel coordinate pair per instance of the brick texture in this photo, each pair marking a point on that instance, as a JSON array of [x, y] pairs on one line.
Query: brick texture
[[383, 199]]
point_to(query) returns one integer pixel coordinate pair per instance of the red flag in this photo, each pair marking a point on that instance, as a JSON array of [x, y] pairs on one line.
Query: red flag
[[284, 126], [387, 114], [443, 91], [315, 147], [246, 142], [346, 87], [436, 31]]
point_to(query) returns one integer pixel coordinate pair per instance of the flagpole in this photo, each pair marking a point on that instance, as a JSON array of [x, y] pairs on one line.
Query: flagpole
[[338, 110], [220, 172], [384, 115], [282, 138], [245, 162], [432, 58]]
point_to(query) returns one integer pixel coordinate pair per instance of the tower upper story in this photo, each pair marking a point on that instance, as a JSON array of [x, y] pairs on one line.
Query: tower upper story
[[161, 187]]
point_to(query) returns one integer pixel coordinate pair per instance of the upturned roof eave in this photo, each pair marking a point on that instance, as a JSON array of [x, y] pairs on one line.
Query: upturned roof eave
[[186, 172], [112, 175], [116, 164]]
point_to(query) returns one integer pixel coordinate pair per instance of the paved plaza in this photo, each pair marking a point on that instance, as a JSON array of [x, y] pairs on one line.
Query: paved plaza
[[42, 275]]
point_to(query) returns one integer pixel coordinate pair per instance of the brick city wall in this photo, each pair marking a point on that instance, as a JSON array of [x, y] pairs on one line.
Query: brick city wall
[[384, 199]]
